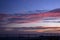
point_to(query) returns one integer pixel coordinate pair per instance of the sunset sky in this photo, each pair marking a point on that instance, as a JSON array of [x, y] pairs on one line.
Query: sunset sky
[[45, 22], [15, 6]]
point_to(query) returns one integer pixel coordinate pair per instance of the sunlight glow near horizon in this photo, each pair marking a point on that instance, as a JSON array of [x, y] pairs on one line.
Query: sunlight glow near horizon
[[42, 23]]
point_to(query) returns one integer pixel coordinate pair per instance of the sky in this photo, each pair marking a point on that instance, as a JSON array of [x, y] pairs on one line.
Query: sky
[[52, 22], [17, 6]]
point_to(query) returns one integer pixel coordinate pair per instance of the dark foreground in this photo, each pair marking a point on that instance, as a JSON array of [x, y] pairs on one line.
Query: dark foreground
[[41, 36], [29, 35], [31, 38]]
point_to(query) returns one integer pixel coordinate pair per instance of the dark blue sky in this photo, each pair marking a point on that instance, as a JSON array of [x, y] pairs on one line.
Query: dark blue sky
[[14, 6]]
